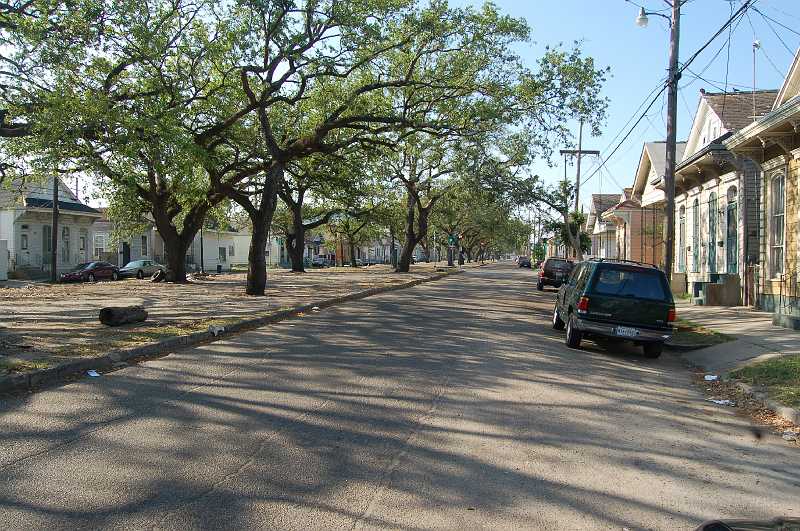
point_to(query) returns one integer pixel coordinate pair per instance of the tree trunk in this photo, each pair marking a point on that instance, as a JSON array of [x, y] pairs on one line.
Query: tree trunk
[[404, 263], [261, 219], [297, 243], [352, 248], [393, 249]]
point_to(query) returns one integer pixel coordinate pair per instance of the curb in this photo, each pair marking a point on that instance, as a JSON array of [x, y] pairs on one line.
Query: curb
[[788, 413], [686, 348], [17, 383]]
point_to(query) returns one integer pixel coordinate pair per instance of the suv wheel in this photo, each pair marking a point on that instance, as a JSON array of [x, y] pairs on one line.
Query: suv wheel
[[90, 278], [114, 276], [652, 350], [140, 274], [573, 339], [558, 323]]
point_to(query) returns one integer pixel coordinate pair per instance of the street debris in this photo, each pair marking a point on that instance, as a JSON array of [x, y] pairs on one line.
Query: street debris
[[158, 276], [93, 373], [315, 309], [216, 330], [721, 402], [789, 435], [711, 377]]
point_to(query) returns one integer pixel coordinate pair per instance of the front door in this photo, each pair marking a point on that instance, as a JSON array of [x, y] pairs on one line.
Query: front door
[[712, 234], [126, 253], [732, 240]]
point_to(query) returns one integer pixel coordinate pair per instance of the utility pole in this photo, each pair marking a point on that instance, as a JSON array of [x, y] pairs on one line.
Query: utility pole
[[577, 152], [672, 112], [54, 234]]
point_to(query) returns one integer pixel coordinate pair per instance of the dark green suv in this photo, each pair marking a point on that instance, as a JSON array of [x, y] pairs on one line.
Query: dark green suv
[[616, 299]]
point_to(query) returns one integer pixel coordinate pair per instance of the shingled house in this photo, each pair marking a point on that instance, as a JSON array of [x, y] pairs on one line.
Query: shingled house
[[716, 200], [602, 233]]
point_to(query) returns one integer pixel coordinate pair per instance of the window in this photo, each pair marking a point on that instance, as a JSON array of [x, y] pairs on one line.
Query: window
[[222, 252], [65, 244], [23, 242], [696, 236], [144, 245], [777, 200], [47, 239], [82, 242], [99, 245], [230, 250]]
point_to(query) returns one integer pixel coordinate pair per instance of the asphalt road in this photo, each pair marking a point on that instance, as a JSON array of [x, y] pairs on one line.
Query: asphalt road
[[449, 405]]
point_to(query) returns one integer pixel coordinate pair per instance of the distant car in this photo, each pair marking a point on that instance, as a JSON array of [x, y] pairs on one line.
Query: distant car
[[91, 272], [359, 262], [524, 261], [553, 272], [319, 261], [619, 300], [141, 269]]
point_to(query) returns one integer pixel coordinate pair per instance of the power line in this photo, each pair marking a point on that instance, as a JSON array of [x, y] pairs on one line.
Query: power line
[[686, 64], [784, 26], [775, 32]]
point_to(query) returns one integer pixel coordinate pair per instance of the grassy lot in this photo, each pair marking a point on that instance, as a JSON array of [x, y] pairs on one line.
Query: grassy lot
[[779, 376], [689, 333], [10, 366]]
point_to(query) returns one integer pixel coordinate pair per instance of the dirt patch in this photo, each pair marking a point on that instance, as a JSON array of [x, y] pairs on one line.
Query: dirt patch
[[747, 404], [44, 324]]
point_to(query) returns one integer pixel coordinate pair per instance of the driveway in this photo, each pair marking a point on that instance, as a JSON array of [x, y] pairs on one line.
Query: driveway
[[450, 405]]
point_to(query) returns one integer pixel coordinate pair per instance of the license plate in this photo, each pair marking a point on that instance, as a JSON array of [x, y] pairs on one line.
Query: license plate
[[625, 331]]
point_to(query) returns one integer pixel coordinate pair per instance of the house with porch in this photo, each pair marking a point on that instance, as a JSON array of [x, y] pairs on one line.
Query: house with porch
[[716, 200], [602, 233], [772, 142], [26, 223], [635, 228], [106, 247]]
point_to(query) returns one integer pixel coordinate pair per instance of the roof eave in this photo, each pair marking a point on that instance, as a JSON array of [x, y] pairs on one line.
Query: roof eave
[[772, 119]]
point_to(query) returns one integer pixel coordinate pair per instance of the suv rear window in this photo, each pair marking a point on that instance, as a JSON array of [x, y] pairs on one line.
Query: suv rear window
[[625, 282], [558, 264]]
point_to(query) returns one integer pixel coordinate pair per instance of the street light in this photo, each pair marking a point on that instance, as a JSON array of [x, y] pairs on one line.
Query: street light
[[672, 111], [642, 19]]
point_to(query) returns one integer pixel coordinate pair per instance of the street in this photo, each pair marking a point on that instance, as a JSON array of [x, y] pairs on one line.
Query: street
[[452, 404]]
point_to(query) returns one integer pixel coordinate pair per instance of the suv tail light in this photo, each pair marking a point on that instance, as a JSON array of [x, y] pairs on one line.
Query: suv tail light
[[583, 305], [671, 315]]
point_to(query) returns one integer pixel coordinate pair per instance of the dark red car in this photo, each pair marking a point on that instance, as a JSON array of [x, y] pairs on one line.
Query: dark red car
[[91, 272]]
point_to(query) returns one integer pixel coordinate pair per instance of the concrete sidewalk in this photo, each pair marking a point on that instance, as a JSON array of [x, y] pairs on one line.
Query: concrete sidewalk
[[756, 337]]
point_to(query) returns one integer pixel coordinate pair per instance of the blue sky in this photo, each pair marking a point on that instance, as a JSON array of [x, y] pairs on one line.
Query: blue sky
[[638, 60]]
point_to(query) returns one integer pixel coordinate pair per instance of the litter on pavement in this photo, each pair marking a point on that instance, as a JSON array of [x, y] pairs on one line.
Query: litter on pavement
[[315, 309], [216, 330], [722, 402], [93, 373], [711, 378], [789, 436]]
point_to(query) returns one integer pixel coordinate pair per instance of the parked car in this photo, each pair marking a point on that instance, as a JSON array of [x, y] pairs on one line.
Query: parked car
[[91, 272], [524, 261], [618, 300], [319, 261], [553, 272], [141, 269]]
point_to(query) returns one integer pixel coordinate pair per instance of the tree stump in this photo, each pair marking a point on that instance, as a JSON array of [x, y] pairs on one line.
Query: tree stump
[[120, 315]]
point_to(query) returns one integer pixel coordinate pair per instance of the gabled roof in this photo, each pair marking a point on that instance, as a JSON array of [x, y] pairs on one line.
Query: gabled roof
[[37, 202], [602, 202], [736, 109], [791, 84], [654, 155]]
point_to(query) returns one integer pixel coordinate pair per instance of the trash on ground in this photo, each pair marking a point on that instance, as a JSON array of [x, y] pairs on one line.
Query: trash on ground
[[789, 436], [315, 309], [711, 377], [216, 330], [93, 373], [722, 402]]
